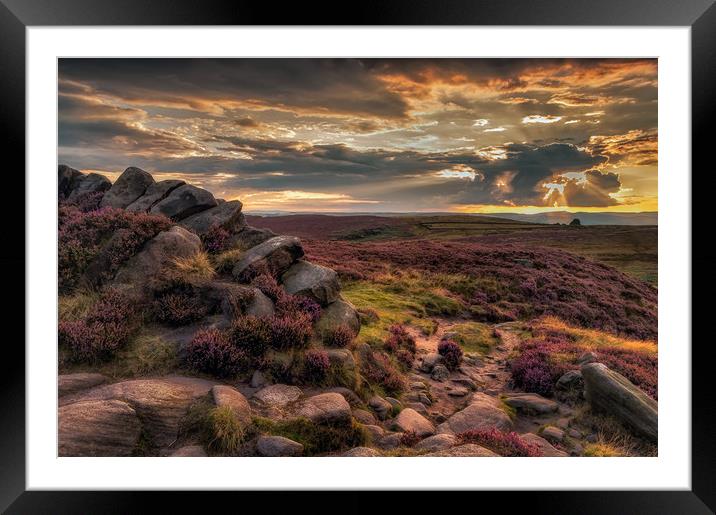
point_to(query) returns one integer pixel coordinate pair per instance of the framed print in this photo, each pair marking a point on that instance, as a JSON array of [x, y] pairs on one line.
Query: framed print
[[440, 248]]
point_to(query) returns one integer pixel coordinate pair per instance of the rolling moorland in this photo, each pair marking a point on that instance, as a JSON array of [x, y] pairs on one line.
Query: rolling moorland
[[190, 329]]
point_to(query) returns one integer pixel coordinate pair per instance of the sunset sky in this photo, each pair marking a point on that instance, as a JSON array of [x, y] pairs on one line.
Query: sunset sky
[[373, 135]]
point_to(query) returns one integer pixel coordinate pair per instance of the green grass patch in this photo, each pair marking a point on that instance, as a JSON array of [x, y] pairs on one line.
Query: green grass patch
[[316, 438], [475, 337], [397, 303]]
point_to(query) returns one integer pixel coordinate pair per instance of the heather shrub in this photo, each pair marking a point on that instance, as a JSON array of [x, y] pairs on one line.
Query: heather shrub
[[502, 443], [316, 365], [378, 369], [534, 371], [110, 322], [290, 332], [398, 339], [251, 334], [216, 239], [409, 438], [106, 237], [269, 287], [405, 358], [451, 353], [178, 307], [85, 202], [291, 305], [212, 352], [340, 336]]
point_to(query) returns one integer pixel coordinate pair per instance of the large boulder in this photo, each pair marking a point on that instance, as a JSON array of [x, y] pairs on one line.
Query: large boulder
[[155, 192], [310, 280], [530, 403], [340, 312], [98, 428], [273, 256], [545, 448], [72, 383], [469, 450], [277, 446], [67, 180], [232, 299], [90, 183], [483, 412], [612, 393], [157, 254], [127, 188], [183, 202], [160, 404], [226, 396], [226, 215], [326, 408], [410, 420]]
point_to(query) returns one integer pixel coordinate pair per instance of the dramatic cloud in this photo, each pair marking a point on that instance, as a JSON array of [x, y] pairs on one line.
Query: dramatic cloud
[[373, 134]]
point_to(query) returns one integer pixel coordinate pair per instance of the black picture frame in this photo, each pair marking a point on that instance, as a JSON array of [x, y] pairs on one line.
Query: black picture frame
[[17, 15]]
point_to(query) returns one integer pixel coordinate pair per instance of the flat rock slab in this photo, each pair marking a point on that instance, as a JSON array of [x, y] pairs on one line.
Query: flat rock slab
[[361, 452], [410, 420], [226, 215], [183, 202], [467, 450], [278, 395], [189, 451], [127, 188], [314, 281], [545, 448], [226, 396], [275, 446], [436, 443], [273, 256], [160, 404], [612, 393], [483, 412], [326, 408], [98, 428], [73, 383], [531, 403], [154, 193]]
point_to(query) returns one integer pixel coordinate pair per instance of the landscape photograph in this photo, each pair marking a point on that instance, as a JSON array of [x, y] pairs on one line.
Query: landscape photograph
[[346, 257]]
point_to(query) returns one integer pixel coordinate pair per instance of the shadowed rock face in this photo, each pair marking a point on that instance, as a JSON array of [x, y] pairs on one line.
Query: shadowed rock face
[[340, 312], [273, 256], [612, 393], [155, 193], [90, 183], [183, 202], [68, 179], [156, 255], [127, 188], [98, 428], [315, 281], [226, 215]]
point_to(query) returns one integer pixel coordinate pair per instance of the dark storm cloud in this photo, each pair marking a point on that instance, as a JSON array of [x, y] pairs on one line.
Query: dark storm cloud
[[446, 133]]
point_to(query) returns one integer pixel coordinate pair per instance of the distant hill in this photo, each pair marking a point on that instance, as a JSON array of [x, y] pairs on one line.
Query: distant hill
[[565, 217]]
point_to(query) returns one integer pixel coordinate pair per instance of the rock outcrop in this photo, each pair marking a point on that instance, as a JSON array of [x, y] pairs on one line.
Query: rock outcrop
[[273, 256], [315, 281], [154, 193], [612, 393], [183, 202], [98, 428], [127, 188]]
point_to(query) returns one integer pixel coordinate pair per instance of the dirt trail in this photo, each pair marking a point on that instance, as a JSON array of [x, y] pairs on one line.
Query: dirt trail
[[487, 373]]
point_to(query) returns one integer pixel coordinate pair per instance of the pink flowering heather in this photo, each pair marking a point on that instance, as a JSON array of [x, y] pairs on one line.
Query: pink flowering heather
[[502, 443]]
